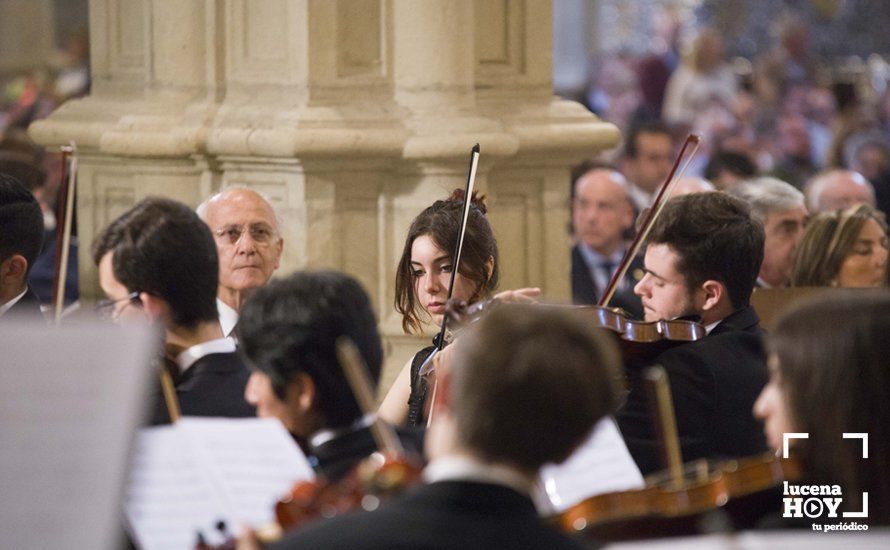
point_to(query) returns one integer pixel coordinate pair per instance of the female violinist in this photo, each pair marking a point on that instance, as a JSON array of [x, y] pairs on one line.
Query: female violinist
[[829, 375], [422, 280]]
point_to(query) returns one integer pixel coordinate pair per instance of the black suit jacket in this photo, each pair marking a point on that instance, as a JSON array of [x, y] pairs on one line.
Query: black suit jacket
[[714, 383], [443, 515], [212, 386], [28, 307], [585, 291]]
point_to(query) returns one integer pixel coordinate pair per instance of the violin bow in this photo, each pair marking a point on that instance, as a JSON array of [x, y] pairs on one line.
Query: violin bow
[[439, 343], [664, 194], [665, 422], [65, 213], [356, 372]]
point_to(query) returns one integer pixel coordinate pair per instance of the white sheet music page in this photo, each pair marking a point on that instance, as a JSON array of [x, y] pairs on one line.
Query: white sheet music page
[[71, 399], [188, 477], [602, 464]]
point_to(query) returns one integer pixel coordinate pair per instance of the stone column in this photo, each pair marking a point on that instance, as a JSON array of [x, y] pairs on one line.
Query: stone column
[[353, 115]]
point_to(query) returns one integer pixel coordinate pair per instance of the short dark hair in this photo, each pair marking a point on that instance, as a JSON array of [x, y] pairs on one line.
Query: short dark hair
[[162, 247], [735, 163], [291, 326], [522, 371], [716, 238], [832, 350], [441, 222], [648, 126], [21, 220]]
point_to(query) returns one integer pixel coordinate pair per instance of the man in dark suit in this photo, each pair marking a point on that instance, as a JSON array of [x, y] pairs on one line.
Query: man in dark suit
[[601, 216], [158, 264], [21, 237], [288, 332], [702, 259], [502, 389]]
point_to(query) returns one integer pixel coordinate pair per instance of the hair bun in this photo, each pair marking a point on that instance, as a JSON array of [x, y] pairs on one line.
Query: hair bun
[[478, 200]]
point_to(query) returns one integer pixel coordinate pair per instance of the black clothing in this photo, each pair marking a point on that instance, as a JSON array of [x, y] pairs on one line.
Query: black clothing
[[28, 307], [337, 456], [419, 388], [442, 515], [212, 386], [714, 383], [585, 291]]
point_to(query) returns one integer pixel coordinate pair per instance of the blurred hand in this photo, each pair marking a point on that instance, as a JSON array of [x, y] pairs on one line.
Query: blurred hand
[[520, 295]]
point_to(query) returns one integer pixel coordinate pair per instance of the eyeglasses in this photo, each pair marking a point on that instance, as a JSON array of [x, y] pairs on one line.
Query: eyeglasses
[[260, 233], [105, 308]]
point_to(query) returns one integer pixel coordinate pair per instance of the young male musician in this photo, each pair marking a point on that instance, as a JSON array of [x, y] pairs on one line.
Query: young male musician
[[702, 260], [288, 332], [513, 377], [157, 263]]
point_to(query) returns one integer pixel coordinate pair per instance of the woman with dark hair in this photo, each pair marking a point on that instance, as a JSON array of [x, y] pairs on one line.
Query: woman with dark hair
[[846, 248], [422, 280], [830, 375]]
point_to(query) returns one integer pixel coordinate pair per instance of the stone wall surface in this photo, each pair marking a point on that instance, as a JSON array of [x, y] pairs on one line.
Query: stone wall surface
[[353, 115]]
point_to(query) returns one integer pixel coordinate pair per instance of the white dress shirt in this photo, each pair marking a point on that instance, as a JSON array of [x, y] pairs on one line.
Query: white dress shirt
[[188, 357], [228, 317], [8, 305]]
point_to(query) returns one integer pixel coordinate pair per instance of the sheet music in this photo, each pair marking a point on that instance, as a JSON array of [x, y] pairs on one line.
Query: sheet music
[[187, 477], [70, 400], [602, 464]]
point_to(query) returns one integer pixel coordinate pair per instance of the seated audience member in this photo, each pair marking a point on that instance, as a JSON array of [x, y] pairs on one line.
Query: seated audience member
[[688, 185], [836, 189], [247, 234], [780, 208], [833, 352], [601, 216], [845, 248], [21, 235], [727, 168], [157, 263], [516, 374], [648, 158], [703, 255], [288, 333], [868, 152]]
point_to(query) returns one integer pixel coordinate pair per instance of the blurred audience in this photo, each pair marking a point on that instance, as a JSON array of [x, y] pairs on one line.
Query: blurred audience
[[648, 158], [837, 189], [844, 248], [780, 208]]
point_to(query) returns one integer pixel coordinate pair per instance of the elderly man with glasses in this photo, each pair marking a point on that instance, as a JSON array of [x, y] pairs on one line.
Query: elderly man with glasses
[[246, 231]]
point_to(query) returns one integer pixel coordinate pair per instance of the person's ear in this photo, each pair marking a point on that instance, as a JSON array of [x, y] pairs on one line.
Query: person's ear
[[154, 307], [13, 270], [301, 393], [489, 268], [279, 247], [711, 292]]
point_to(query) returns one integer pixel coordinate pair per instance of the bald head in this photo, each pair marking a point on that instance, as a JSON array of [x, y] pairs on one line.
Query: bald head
[[248, 240], [837, 189], [601, 210], [688, 185]]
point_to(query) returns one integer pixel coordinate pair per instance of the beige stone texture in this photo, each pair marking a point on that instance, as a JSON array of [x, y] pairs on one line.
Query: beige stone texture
[[353, 115]]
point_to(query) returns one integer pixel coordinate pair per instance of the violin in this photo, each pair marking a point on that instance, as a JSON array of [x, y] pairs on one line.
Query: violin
[[675, 501], [665, 508], [379, 477], [638, 341]]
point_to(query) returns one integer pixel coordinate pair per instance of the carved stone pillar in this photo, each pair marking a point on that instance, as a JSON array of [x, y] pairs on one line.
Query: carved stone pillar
[[353, 115]]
